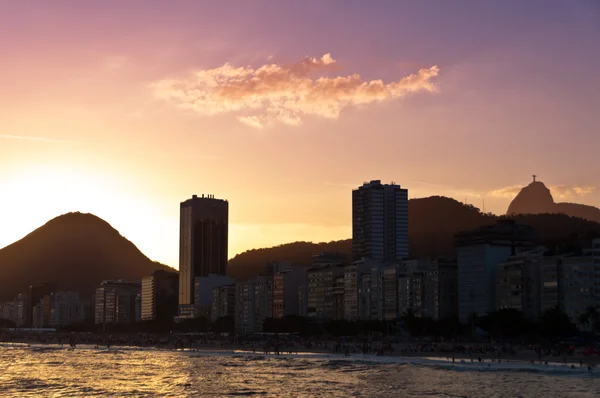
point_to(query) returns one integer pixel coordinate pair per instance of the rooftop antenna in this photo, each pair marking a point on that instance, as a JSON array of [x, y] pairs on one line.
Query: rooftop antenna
[[483, 199], [534, 177]]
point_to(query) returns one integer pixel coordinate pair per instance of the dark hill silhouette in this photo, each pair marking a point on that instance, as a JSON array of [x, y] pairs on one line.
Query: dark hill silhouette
[[536, 198], [433, 223], [76, 251]]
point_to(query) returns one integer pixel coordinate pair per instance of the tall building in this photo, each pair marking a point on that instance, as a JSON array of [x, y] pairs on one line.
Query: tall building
[[202, 244], [380, 222], [115, 302], [159, 296], [480, 251]]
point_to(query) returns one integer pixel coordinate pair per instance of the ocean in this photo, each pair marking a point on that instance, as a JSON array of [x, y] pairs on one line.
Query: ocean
[[51, 371]]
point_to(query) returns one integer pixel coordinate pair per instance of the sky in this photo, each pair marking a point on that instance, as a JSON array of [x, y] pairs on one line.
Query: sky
[[126, 109]]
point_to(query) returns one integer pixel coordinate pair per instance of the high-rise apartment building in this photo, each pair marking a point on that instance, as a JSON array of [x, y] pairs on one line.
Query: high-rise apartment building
[[37, 293], [222, 302], [159, 296], [519, 283], [321, 289], [380, 222], [567, 282], [115, 302], [202, 244], [480, 251], [67, 309], [286, 289], [245, 312]]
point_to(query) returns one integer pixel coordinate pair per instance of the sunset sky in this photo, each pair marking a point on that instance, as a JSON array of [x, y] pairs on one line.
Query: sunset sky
[[125, 109]]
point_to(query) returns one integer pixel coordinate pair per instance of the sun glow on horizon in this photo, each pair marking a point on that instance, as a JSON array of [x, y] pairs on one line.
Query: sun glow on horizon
[[30, 198]]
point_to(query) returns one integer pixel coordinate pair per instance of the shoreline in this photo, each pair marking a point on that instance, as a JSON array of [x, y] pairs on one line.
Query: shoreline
[[521, 356]]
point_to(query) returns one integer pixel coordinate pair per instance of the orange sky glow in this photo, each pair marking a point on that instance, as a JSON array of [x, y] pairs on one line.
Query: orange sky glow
[[125, 115]]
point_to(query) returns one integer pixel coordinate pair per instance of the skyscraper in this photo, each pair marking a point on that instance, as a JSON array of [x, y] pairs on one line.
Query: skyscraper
[[202, 244], [380, 222]]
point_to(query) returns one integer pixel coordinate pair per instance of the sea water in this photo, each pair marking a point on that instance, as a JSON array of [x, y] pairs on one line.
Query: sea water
[[52, 371]]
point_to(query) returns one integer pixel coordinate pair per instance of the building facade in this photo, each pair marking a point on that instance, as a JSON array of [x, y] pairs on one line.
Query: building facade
[[115, 302], [379, 222], [67, 309], [159, 296], [223, 302], [245, 311], [320, 290], [286, 291], [519, 283], [37, 293], [203, 240], [479, 253]]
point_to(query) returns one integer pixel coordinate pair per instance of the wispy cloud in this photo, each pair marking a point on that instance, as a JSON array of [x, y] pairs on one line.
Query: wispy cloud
[[557, 191], [28, 138], [277, 93], [565, 191], [506, 192]]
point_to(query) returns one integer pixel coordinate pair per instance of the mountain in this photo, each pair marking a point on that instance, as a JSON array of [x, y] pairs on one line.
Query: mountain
[[76, 251], [536, 198], [433, 222]]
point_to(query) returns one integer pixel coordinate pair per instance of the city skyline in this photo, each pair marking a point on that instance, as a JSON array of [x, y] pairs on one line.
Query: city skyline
[[105, 126]]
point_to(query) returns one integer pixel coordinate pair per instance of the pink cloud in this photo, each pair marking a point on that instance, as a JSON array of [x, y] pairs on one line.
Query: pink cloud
[[286, 94]]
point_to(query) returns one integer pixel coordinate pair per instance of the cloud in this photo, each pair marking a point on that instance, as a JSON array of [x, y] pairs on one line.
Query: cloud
[[286, 94], [27, 138], [557, 191], [506, 192], [565, 191]]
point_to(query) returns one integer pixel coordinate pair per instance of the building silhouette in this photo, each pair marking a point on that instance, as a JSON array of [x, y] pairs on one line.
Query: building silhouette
[[159, 296], [480, 251], [36, 294], [202, 244], [115, 302], [380, 222]]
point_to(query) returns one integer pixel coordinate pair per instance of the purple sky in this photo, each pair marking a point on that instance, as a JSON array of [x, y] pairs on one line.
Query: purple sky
[[518, 92]]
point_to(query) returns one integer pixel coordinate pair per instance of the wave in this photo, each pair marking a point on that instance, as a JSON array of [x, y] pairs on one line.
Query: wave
[[352, 363]]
